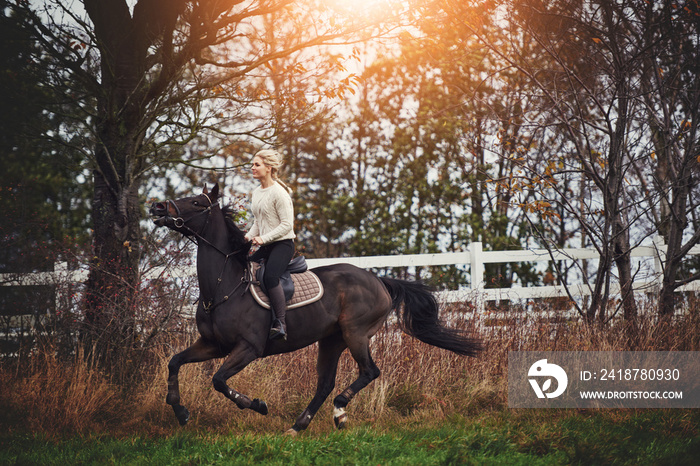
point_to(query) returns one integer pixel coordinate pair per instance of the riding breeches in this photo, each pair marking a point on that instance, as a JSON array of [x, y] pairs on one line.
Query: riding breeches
[[277, 256]]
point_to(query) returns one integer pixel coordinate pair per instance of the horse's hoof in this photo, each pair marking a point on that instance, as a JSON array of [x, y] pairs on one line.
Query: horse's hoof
[[182, 414], [292, 432], [340, 418], [341, 421], [259, 406]]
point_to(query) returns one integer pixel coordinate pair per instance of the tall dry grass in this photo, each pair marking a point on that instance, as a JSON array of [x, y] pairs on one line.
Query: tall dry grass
[[44, 393]]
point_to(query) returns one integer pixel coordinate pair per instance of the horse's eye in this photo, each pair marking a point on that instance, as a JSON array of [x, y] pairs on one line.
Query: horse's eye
[[195, 203]]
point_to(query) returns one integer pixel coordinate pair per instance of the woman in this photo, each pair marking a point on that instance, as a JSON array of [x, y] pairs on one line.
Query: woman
[[273, 231]]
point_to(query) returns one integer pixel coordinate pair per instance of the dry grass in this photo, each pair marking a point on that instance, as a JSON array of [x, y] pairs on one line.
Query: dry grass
[[51, 395], [43, 393]]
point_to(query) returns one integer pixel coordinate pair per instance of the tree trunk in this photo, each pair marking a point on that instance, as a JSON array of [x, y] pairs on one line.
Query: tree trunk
[[622, 257], [112, 282], [116, 214], [677, 223]]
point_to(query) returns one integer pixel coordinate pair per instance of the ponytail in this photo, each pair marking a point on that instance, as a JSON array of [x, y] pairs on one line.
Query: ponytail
[[284, 185]]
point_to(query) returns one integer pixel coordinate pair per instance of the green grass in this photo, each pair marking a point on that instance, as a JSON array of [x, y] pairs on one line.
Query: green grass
[[528, 437]]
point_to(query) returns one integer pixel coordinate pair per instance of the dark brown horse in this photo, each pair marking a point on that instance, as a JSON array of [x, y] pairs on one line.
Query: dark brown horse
[[233, 326]]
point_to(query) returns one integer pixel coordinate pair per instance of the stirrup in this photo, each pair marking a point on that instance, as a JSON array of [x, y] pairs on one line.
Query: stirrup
[[277, 331]]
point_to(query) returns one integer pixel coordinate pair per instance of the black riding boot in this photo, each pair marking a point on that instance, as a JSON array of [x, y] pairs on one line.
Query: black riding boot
[[279, 308]]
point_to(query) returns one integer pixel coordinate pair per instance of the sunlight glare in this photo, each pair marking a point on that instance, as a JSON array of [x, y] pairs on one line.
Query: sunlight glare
[[361, 7]]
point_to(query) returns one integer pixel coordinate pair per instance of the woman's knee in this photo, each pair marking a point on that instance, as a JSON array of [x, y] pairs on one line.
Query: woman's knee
[[270, 281]]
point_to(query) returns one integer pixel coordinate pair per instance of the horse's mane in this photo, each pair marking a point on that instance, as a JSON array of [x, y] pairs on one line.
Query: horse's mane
[[235, 235]]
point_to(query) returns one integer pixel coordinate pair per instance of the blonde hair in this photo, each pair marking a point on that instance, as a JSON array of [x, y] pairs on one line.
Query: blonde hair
[[274, 160]]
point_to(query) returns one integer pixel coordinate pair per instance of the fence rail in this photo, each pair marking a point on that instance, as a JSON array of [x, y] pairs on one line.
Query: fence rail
[[474, 257]]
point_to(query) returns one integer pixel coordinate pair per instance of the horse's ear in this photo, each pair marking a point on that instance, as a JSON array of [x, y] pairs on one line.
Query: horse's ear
[[214, 193]]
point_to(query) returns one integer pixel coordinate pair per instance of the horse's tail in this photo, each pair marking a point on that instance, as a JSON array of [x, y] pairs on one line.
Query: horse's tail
[[419, 317]]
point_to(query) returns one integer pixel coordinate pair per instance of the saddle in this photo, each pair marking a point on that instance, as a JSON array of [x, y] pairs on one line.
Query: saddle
[[300, 285]]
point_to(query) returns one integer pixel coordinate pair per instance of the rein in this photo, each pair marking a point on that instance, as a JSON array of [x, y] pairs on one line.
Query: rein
[[179, 222], [246, 280]]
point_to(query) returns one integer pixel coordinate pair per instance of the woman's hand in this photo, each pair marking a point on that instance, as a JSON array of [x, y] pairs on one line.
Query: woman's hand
[[257, 241]]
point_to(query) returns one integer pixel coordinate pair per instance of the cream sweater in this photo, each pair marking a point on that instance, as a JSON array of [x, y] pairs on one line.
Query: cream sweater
[[274, 214]]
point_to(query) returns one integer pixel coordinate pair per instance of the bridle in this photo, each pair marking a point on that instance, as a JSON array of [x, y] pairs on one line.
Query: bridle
[[181, 224]]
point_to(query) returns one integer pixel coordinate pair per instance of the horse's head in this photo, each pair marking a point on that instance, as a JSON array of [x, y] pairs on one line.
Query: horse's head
[[187, 215]]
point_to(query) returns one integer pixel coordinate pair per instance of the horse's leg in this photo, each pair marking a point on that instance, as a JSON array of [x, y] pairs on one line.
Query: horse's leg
[[329, 351], [359, 348], [201, 350], [241, 356]]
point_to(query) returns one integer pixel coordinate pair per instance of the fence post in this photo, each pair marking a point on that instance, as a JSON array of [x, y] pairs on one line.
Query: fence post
[[60, 273], [659, 259], [477, 272]]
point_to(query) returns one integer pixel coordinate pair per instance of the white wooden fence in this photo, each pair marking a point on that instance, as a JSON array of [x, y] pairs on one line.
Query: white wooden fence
[[474, 257]]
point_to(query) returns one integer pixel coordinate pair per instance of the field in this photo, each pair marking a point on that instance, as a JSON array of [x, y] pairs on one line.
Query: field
[[428, 407], [495, 437]]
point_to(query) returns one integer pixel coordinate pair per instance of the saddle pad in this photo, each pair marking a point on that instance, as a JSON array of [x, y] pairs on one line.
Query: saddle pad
[[307, 289]]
